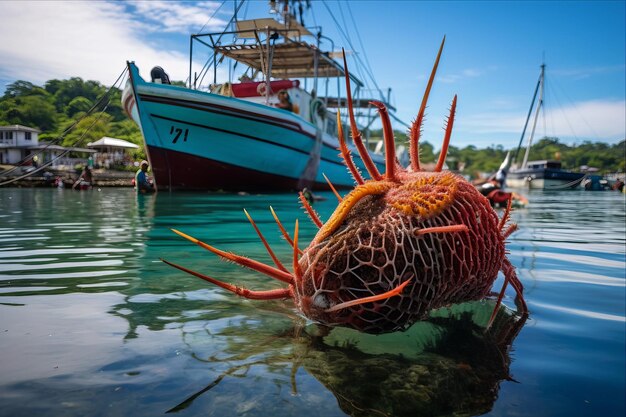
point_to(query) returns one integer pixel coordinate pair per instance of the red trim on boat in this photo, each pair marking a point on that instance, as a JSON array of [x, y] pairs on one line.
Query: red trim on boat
[[252, 89], [190, 172], [128, 105]]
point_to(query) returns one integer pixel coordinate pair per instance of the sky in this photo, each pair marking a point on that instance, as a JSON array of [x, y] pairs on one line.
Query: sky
[[491, 59]]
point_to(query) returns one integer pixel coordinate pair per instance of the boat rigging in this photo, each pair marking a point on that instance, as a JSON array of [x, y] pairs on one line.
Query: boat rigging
[[544, 174], [238, 135]]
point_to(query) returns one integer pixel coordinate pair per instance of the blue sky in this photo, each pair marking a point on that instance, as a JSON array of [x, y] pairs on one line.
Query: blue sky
[[491, 59]]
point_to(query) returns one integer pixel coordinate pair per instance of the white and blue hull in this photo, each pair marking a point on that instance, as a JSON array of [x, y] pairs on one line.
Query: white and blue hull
[[198, 140]]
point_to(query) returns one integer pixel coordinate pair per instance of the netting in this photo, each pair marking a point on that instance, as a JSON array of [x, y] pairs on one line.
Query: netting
[[375, 249]]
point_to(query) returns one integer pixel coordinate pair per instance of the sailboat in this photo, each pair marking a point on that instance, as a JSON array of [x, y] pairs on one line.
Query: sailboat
[[543, 174], [235, 137]]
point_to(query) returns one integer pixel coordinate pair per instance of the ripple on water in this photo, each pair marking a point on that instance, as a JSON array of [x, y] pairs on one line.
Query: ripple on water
[[91, 298]]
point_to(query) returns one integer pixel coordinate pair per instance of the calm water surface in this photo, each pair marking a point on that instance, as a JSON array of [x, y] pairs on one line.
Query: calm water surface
[[92, 323]]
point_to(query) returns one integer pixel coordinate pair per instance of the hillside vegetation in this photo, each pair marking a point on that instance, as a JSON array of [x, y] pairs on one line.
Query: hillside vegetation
[[58, 104], [472, 161]]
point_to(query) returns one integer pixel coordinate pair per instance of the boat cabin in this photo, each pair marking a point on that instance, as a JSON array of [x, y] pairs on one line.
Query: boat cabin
[[545, 164], [276, 58]]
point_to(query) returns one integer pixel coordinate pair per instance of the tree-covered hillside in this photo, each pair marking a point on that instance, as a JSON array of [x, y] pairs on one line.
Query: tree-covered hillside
[[471, 160], [56, 106]]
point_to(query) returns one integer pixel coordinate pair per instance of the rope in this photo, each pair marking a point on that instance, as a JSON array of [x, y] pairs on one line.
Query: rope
[[205, 67], [200, 31], [212, 16], [28, 174], [69, 129], [357, 57]]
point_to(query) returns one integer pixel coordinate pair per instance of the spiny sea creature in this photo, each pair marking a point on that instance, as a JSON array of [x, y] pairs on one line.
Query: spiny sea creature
[[397, 246]]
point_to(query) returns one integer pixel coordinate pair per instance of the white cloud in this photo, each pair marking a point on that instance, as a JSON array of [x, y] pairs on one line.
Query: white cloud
[[603, 120], [593, 119], [180, 17], [40, 41], [587, 72], [464, 74]]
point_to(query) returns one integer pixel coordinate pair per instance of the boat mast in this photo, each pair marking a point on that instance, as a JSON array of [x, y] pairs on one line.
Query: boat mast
[[530, 111], [539, 104]]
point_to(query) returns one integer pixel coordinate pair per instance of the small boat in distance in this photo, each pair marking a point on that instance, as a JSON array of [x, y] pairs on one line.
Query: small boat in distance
[[544, 174], [235, 137]]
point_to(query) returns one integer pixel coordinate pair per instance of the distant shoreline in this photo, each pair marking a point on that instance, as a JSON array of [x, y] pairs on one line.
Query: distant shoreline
[[101, 178]]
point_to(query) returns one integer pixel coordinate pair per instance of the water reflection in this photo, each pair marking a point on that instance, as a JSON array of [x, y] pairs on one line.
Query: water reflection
[[105, 242], [448, 365], [61, 241], [82, 286]]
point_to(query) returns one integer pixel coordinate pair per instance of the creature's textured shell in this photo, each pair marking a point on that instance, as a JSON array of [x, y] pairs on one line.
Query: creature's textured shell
[[397, 246], [376, 248]]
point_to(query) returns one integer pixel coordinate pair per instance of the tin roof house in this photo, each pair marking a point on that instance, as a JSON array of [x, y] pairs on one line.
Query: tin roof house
[[15, 143], [19, 145], [112, 151]]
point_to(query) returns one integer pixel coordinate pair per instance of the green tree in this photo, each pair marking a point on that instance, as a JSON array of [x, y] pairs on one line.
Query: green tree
[[23, 88], [427, 152], [89, 129], [77, 105], [126, 129], [59, 109], [67, 90], [34, 111]]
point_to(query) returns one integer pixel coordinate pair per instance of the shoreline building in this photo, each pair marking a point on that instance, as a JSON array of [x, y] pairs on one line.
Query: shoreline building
[[16, 143], [20, 145]]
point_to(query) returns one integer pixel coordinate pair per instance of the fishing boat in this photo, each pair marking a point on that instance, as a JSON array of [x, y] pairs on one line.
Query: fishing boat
[[233, 135], [543, 174]]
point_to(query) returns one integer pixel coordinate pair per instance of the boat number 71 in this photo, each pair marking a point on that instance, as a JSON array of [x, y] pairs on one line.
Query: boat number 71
[[176, 132]]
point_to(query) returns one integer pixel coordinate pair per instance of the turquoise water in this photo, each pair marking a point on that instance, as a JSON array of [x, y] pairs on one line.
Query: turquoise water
[[92, 323]]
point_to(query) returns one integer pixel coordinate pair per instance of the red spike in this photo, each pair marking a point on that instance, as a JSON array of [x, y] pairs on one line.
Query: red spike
[[509, 231], [507, 213], [417, 124], [390, 145], [442, 229], [356, 135], [282, 229], [296, 265], [242, 260], [309, 210], [330, 184], [370, 299], [345, 152], [414, 134], [498, 303], [510, 277], [446, 139], [240, 291], [519, 291], [277, 262]]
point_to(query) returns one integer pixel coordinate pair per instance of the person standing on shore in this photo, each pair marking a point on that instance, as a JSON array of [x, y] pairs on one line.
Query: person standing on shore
[[142, 184]]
